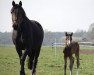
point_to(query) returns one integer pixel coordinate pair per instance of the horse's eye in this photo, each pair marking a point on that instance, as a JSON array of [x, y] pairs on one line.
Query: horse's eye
[[11, 11]]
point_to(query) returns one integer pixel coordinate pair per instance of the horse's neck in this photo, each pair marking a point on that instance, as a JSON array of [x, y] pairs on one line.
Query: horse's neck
[[66, 44], [25, 19]]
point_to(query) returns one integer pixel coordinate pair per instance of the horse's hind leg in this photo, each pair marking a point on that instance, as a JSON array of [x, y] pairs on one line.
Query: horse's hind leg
[[71, 64], [65, 64], [30, 60], [78, 63], [35, 62]]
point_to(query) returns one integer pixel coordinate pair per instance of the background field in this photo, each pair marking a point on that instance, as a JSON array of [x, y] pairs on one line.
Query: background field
[[48, 64]]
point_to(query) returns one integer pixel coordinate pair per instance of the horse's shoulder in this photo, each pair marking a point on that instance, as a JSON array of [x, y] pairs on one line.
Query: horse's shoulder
[[73, 43]]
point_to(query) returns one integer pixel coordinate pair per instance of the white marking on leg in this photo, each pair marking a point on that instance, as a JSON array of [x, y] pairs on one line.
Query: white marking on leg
[[77, 71], [70, 72]]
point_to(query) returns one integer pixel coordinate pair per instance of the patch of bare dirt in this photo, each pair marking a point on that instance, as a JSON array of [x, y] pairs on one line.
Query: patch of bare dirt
[[86, 51]]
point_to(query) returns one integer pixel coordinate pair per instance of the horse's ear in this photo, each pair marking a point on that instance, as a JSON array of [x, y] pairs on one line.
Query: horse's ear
[[65, 33], [71, 33], [13, 3], [20, 3]]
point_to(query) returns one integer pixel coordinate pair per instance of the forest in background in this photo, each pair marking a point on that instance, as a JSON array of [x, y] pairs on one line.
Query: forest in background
[[49, 37], [52, 37]]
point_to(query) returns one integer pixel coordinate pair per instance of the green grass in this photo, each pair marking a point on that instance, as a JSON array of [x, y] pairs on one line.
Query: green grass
[[48, 64]]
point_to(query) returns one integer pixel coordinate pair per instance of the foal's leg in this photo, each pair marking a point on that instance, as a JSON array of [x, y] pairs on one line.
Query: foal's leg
[[65, 64], [78, 63], [22, 72], [71, 64]]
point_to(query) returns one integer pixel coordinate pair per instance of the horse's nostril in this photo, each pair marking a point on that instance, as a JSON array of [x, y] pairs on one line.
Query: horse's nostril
[[15, 20], [15, 26]]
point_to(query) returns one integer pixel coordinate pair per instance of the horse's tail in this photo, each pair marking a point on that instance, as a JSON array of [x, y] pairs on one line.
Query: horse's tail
[[30, 63]]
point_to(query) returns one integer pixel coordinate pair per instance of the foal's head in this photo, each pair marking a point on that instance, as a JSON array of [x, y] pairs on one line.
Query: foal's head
[[17, 13], [68, 38]]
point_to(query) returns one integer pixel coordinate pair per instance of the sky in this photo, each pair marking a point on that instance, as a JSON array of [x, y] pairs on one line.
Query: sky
[[53, 15]]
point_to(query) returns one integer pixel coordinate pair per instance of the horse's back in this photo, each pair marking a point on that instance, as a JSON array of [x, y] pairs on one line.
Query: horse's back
[[74, 47], [38, 33], [37, 24], [37, 28], [74, 44]]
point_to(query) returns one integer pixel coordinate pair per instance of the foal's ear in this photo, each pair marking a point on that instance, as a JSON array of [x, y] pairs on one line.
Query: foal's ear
[[71, 33], [65, 33], [20, 3], [13, 3]]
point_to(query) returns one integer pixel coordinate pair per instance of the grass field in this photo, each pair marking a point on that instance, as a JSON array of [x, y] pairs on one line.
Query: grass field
[[48, 64]]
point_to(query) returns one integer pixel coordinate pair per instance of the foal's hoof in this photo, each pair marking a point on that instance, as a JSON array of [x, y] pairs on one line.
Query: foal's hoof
[[33, 74], [22, 73]]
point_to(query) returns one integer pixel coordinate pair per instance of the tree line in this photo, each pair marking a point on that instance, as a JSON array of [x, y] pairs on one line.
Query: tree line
[[49, 37]]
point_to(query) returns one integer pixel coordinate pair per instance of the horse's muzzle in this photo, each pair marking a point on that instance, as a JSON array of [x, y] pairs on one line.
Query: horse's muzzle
[[15, 27]]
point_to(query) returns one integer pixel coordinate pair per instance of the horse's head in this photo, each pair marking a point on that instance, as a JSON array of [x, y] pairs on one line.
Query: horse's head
[[17, 13], [68, 38]]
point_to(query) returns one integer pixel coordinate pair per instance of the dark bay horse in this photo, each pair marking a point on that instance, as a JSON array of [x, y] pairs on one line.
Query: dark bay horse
[[71, 47], [28, 36]]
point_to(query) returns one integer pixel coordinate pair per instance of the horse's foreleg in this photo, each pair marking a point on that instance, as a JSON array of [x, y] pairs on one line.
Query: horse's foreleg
[[71, 64], [22, 72], [65, 65], [19, 51]]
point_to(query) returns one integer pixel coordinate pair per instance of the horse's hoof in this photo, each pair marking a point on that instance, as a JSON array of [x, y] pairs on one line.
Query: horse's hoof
[[22, 73]]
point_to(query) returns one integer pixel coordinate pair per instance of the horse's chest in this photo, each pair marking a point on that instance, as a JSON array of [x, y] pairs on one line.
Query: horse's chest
[[14, 37], [14, 34]]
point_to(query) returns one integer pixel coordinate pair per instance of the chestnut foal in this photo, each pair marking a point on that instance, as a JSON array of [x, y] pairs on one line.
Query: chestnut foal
[[70, 49]]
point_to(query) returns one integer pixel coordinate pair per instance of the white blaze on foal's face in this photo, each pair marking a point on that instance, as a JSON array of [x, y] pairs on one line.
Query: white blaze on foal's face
[[68, 42], [68, 38]]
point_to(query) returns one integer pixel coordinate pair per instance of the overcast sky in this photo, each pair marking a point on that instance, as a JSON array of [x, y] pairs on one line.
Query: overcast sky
[[54, 15]]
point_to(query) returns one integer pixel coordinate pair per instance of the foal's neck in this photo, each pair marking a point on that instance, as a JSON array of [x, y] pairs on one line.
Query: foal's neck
[[68, 43]]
